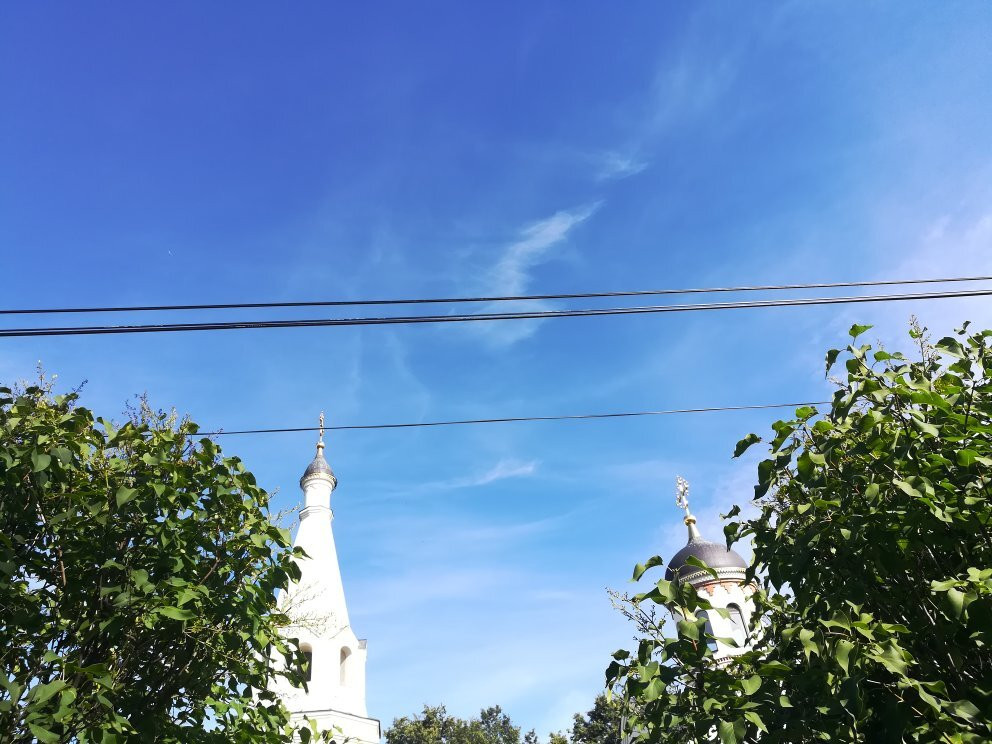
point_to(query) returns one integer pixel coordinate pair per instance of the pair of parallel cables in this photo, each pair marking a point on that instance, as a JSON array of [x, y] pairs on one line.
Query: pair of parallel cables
[[463, 317], [484, 316]]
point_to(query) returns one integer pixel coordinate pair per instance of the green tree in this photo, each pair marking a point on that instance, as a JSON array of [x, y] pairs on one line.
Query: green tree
[[436, 726], [497, 728], [600, 725], [873, 556], [138, 572]]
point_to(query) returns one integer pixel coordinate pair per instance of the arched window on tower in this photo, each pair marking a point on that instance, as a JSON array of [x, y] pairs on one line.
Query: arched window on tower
[[738, 627], [708, 630], [307, 651], [345, 663]]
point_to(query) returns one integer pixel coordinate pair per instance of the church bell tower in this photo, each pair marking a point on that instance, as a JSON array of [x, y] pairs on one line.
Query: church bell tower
[[316, 605]]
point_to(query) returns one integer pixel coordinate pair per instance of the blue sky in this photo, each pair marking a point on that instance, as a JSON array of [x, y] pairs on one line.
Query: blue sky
[[179, 152]]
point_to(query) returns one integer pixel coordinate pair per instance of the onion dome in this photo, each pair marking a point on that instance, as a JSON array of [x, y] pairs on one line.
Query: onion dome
[[714, 555], [718, 557], [318, 468]]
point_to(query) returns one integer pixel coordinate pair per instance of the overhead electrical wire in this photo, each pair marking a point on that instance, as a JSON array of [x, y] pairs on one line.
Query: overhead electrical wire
[[498, 298], [462, 318], [514, 419]]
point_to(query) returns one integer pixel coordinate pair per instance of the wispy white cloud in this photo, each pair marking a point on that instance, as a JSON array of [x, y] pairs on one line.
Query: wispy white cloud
[[511, 273], [615, 165], [943, 246], [689, 82], [506, 468], [688, 87]]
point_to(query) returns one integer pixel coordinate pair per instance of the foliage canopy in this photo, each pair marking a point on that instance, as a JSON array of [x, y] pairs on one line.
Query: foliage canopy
[[600, 725], [873, 566], [138, 572], [436, 726]]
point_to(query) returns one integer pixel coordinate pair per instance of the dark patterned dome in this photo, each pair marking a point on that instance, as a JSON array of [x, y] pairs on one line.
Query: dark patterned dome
[[712, 554], [319, 467]]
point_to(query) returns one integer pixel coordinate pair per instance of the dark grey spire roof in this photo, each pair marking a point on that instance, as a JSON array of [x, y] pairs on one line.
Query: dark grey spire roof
[[319, 466], [712, 554]]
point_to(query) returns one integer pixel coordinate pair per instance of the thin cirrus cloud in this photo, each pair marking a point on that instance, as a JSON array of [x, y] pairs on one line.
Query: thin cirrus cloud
[[614, 166], [502, 470], [512, 271]]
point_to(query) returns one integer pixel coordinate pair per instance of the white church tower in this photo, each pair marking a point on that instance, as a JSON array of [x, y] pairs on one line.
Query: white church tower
[[335, 697], [728, 590]]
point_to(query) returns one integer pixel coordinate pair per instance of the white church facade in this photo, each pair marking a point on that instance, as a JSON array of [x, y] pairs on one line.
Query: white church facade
[[335, 694]]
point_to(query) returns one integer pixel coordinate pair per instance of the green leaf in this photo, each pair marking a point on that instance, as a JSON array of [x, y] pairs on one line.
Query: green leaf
[[831, 359], [907, 489], [175, 613], [955, 602], [965, 709], [727, 733], [640, 568], [655, 689], [810, 646], [892, 658], [41, 693], [755, 719], [125, 494], [694, 561], [751, 684], [967, 457], [689, 629], [746, 442], [186, 595], [843, 653], [44, 735], [40, 461], [857, 330]]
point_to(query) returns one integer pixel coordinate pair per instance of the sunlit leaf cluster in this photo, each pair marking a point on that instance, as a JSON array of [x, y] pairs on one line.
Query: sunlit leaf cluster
[[873, 562], [138, 580]]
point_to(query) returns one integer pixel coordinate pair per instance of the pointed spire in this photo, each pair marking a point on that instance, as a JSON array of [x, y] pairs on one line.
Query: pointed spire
[[319, 467], [682, 500]]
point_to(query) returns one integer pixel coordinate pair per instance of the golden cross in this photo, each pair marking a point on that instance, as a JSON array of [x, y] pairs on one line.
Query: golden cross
[[682, 493]]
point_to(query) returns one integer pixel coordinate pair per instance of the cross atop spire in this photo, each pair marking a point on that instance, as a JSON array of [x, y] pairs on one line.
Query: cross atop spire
[[682, 501], [320, 440], [682, 493]]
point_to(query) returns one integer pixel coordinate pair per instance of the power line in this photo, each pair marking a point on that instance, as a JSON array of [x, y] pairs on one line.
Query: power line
[[531, 315], [503, 298], [515, 419]]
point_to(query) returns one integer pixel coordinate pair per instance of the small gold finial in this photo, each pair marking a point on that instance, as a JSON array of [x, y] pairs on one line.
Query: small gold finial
[[682, 500], [320, 440]]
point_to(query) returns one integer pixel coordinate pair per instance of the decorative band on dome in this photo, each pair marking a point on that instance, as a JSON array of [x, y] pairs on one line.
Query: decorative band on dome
[[714, 555]]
